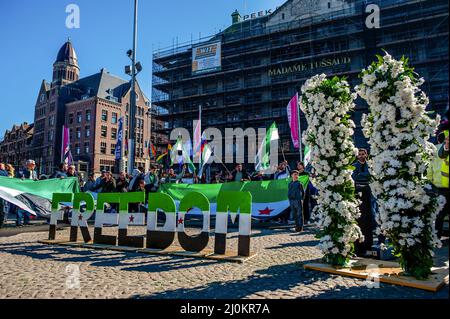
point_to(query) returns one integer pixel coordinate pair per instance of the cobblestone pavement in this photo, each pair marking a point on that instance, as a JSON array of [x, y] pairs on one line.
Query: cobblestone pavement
[[32, 270]]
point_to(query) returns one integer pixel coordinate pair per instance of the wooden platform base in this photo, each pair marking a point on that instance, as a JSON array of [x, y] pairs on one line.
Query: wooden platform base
[[387, 272], [172, 250]]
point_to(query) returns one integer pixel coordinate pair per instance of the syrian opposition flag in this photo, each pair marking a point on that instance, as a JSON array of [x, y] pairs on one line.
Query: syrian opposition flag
[[206, 155], [262, 160], [269, 198], [35, 197], [179, 155]]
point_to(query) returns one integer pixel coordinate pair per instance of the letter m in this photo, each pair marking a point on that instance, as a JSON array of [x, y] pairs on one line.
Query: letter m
[[233, 202]]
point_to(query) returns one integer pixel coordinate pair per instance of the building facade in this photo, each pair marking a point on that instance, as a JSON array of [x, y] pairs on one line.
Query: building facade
[[15, 148], [91, 108], [263, 59]]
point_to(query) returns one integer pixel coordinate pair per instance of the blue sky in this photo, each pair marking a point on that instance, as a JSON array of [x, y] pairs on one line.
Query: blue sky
[[31, 33]]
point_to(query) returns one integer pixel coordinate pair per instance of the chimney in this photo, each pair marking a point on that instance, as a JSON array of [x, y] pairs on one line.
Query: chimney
[[236, 17]]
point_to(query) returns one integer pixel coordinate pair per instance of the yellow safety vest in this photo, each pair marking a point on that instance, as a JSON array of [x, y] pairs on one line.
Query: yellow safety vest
[[444, 168]]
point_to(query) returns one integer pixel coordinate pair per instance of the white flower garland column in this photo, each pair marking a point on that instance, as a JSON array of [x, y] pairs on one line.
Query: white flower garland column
[[326, 103], [398, 130]]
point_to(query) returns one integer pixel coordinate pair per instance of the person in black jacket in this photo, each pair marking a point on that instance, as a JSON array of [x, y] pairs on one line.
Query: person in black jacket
[[295, 196], [361, 173], [122, 183], [239, 174], [368, 207]]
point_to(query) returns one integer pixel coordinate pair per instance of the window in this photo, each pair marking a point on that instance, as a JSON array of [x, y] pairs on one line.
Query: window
[[42, 98], [52, 106], [71, 118], [51, 120], [78, 133], [104, 131], [103, 147], [88, 115], [104, 116], [50, 135], [86, 147], [79, 116], [114, 118], [113, 149], [87, 130], [77, 149], [114, 133]]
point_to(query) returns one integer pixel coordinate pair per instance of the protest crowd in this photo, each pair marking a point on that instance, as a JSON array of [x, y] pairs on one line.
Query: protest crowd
[[302, 200]]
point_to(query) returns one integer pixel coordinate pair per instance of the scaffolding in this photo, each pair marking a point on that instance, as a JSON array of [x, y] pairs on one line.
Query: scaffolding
[[243, 94]]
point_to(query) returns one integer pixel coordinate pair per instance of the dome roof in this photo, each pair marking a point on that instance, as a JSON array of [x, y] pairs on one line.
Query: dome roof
[[67, 54]]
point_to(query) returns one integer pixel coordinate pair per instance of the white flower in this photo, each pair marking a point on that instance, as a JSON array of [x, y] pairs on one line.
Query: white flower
[[398, 130], [332, 138]]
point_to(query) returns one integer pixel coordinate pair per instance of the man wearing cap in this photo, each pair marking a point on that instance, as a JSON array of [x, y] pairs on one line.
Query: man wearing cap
[[29, 171]]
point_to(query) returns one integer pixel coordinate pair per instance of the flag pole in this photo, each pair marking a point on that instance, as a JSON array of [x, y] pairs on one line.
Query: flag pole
[[200, 124], [62, 144], [300, 130], [224, 165], [282, 150]]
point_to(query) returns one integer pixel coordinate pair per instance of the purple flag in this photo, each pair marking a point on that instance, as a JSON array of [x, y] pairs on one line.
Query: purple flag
[[293, 113]]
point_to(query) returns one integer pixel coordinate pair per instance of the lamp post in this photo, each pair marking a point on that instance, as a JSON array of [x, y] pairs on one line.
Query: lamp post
[[149, 116], [133, 71]]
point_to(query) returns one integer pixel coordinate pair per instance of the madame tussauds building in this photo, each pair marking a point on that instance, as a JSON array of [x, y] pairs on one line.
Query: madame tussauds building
[[245, 75]]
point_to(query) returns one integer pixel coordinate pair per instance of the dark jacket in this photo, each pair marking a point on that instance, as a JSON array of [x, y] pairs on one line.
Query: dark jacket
[[59, 174], [25, 173], [3, 173], [443, 154], [88, 186], [361, 173], [106, 187], [245, 175], [122, 185], [295, 191]]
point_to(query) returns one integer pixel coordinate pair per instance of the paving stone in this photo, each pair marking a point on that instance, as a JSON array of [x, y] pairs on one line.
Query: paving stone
[[32, 270]]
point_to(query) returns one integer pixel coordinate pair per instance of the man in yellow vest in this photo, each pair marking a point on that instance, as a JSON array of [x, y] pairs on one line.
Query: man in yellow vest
[[439, 174]]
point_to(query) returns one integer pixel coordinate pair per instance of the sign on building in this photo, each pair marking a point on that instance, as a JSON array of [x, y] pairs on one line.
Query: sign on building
[[207, 58]]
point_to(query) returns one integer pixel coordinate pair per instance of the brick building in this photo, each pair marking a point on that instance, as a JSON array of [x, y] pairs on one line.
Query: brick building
[[90, 107], [15, 147]]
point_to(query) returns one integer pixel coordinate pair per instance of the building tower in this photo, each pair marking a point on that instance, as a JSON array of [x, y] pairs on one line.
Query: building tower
[[65, 68]]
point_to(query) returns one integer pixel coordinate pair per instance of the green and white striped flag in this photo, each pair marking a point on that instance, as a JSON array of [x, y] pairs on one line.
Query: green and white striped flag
[[262, 160], [35, 196], [269, 198], [307, 155]]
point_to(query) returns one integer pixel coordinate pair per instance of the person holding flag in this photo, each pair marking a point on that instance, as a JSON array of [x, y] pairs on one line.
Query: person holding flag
[[180, 156]]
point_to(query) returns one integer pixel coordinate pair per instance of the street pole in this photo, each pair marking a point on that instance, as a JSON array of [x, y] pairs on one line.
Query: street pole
[[132, 126], [150, 136]]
